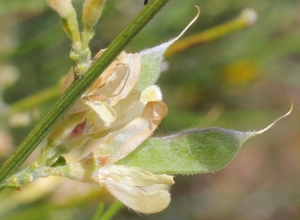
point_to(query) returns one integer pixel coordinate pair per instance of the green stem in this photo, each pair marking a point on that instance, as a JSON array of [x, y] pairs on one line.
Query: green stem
[[111, 211], [77, 88], [73, 26], [244, 20], [99, 211], [86, 36]]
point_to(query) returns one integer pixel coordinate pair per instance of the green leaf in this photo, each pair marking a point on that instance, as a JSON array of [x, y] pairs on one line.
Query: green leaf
[[190, 152], [151, 60], [66, 27], [76, 89], [61, 161]]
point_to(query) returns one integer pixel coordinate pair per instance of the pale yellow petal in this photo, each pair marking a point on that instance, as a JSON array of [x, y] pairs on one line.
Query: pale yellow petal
[[128, 109], [122, 142], [114, 85], [136, 199], [95, 126], [134, 64], [133, 175], [151, 93], [78, 107], [104, 111], [106, 74]]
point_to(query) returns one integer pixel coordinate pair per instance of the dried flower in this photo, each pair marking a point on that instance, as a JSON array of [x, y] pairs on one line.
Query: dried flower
[[131, 186], [124, 108]]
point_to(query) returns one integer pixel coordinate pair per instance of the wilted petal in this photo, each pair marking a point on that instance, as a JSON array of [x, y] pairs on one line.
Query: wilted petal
[[133, 175], [104, 111], [122, 142], [128, 109], [106, 74], [79, 106], [134, 65], [136, 199], [114, 85], [133, 105]]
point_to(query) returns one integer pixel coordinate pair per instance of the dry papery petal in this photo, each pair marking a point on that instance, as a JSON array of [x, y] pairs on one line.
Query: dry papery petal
[[125, 110], [101, 79], [114, 85], [133, 175], [128, 64], [134, 65], [133, 105], [136, 199], [104, 111], [122, 142], [123, 65]]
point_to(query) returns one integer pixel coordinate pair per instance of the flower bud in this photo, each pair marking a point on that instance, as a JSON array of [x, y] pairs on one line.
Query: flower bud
[[91, 13], [63, 7]]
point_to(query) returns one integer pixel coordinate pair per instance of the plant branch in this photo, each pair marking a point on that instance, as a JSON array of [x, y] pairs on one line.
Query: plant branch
[[244, 20], [77, 88]]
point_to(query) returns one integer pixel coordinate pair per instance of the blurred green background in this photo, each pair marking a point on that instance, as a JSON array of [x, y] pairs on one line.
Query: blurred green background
[[242, 81]]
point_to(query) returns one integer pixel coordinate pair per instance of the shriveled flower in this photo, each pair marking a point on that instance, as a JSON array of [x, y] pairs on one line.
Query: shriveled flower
[[111, 102], [124, 182], [124, 117], [128, 184], [123, 107]]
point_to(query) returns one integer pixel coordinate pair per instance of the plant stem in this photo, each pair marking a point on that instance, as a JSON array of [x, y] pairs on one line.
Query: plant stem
[[244, 20], [99, 212], [77, 88], [111, 211]]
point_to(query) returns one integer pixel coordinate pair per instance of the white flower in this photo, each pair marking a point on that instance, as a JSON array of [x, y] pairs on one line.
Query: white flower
[[124, 118], [111, 103], [131, 185], [123, 108], [126, 184]]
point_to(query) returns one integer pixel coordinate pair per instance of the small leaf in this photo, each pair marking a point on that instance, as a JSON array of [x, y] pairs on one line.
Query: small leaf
[[61, 161], [194, 151], [152, 58], [66, 27], [190, 152]]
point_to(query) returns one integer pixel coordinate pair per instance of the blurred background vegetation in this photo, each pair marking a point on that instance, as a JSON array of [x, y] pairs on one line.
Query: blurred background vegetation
[[241, 81]]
